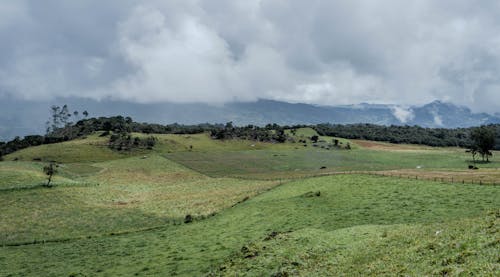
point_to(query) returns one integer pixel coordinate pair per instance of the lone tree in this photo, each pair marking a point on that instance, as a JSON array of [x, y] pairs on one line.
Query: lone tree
[[483, 141], [314, 138], [50, 170], [473, 151]]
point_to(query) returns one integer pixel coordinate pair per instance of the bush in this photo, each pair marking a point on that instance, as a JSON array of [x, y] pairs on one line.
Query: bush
[[188, 219], [125, 142]]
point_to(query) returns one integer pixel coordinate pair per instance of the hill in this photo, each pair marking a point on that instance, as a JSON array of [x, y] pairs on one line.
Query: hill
[[194, 205]]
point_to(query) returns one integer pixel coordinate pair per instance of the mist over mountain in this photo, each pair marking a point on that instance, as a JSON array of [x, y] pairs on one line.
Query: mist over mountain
[[22, 117]]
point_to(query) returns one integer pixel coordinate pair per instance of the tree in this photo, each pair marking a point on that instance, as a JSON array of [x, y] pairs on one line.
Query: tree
[[59, 118], [64, 115], [314, 138], [473, 151], [483, 140], [54, 121], [336, 142], [50, 170], [85, 114]]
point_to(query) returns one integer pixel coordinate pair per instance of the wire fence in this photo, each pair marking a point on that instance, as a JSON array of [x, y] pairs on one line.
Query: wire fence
[[442, 179]]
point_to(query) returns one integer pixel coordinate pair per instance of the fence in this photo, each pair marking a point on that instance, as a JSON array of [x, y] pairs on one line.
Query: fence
[[442, 179]]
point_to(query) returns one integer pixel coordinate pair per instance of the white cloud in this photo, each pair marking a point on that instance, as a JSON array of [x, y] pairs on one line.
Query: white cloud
[[403, 114], [321, 52], [437, 118]]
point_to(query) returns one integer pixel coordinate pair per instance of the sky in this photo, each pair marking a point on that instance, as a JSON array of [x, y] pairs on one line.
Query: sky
[[318, 52]]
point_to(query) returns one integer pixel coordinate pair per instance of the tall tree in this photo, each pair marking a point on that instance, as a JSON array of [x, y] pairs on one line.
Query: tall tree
[[483, 140]]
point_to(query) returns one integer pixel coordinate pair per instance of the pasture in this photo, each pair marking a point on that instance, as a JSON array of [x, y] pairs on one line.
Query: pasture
[[345, 201], [255, 206]]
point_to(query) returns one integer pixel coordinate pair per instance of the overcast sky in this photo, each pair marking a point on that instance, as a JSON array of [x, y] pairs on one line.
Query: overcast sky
[[321, 52]]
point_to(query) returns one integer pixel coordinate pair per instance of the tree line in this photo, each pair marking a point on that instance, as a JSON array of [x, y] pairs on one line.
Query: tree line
[[65, 125], [440, 137]]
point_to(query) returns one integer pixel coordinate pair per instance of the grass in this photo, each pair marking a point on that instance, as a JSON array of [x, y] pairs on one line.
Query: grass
[[465, 247], [305, 162], [90, 149], [23, 175], [116, 196], [345, 201], [203, 143], [486, 176], [114, 213]]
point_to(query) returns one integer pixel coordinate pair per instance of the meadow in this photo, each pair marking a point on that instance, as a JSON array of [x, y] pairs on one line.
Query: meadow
[[256, 210]]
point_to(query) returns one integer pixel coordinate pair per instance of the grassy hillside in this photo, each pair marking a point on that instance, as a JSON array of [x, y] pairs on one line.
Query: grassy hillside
[[465, 247], [23, 175], [124, 195], [122, 213], [343, 202], [89, 149]]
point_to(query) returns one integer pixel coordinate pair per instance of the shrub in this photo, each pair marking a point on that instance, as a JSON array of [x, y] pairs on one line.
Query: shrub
[[188, 219]]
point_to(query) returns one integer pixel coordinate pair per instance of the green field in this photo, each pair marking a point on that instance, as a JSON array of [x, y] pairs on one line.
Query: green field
[[272, 164], [256, 210], [124, 195], [344, 202]]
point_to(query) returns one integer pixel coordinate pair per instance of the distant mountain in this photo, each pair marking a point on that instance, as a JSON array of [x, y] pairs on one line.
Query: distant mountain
[[20, 117]]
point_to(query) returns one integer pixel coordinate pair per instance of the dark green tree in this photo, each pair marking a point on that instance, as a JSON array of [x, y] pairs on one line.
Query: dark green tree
[[50, 170], [483, 141]]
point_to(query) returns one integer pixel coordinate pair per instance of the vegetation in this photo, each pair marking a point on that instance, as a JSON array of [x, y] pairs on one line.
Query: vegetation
[[49, 170], [61, 128], [111, 197], [306, 161], [270, 133], [460, 137], [124, 142], [404, 214], [462, 247], [483, 141]]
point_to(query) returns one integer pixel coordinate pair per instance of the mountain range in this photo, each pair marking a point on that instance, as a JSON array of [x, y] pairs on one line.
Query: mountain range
[[23, 117]]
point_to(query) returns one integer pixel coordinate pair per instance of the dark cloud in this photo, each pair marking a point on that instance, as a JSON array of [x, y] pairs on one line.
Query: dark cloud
[[324, 52]]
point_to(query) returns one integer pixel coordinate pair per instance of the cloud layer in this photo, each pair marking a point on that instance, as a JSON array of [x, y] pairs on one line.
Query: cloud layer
[[318, 51]]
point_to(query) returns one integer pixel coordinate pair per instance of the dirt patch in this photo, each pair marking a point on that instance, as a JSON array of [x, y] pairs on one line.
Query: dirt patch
[[123, 203]]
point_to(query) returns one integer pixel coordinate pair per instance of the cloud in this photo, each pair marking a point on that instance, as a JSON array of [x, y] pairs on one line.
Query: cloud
[[321, 52], [403, 114], [437, 119]]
